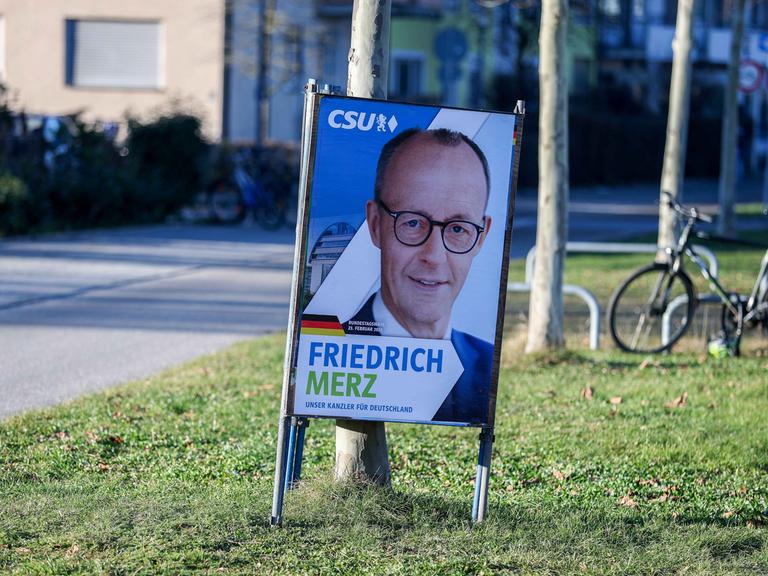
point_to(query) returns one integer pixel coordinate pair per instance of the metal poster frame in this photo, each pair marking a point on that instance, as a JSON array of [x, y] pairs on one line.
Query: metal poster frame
[[292, 427]]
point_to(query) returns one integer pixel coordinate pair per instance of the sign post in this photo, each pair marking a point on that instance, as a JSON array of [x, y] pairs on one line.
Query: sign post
[[400, 271]]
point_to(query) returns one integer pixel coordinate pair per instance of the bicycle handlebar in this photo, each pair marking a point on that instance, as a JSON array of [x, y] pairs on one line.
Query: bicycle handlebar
[[687, 212]]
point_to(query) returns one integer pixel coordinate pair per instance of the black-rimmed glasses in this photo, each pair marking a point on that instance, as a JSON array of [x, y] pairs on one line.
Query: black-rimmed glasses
[[414, 228]]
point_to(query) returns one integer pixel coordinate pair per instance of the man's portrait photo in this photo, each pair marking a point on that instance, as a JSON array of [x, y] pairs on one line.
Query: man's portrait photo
[[408, 232], [427, 217]]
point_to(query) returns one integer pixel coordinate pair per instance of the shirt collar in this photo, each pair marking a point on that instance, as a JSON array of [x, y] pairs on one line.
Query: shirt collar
[[389, 326]]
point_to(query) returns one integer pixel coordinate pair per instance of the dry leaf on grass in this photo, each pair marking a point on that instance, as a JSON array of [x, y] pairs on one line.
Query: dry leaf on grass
[[74, 549], [628, 502], [616, 400], [727, 514], [587, 393], [678, 402], [558, 475]]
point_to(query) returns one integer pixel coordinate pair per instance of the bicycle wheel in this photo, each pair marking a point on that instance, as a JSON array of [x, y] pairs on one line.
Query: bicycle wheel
[[226, 205], [270, 216], [761, 305], [652, 309]]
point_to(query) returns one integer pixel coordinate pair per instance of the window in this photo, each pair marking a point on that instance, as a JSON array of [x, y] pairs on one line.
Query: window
[[114, 54], [406, 75]]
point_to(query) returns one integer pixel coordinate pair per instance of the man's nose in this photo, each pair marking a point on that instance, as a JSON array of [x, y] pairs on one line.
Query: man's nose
[[433, 250]]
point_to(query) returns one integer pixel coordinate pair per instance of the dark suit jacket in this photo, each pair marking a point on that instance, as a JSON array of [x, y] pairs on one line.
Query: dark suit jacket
[[468, 399]]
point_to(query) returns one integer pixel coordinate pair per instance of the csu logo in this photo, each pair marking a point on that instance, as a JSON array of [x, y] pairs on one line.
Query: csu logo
[[364, 121]]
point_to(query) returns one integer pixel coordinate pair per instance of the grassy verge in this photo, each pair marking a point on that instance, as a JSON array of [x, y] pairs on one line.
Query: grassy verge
[[751, 209], [604, 464], [173, 475]]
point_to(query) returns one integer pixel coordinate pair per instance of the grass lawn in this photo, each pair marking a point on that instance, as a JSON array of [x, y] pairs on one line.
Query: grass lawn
[[604, 463], [174, 475]]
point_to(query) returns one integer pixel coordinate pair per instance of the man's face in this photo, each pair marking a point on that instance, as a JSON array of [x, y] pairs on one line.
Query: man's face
[[420, 283]]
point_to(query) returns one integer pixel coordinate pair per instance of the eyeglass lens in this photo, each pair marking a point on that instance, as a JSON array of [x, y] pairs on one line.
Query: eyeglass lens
[[413, 229]]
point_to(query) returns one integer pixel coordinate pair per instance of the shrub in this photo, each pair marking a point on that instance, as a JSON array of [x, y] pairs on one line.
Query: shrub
[[165, 163], [86, 184], [14, 200]]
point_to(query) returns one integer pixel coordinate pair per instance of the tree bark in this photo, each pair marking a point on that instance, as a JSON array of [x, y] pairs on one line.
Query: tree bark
[[361, 447], [545, 325], [677, 123], [729, 137], [261, 110], [368, 68]]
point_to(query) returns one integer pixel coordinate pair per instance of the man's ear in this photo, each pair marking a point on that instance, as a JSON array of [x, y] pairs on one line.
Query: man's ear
[[372, 215], [481, 239]]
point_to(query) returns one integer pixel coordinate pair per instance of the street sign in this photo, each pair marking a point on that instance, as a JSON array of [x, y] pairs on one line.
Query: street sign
[[450, 45], [750, 76]]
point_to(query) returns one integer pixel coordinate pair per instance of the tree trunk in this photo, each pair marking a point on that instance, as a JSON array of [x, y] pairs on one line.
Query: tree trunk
[[677, 122], [361, 447], [261, 110], [729, 137], [545, 325]]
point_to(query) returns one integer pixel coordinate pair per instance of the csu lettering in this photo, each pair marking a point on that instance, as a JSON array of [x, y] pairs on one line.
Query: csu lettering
[[365, 121]]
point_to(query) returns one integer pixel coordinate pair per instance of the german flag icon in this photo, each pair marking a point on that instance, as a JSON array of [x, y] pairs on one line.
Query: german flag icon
[[321, 325]]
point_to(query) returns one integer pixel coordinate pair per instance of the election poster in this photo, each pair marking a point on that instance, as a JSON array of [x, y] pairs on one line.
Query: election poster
[[408, 218]]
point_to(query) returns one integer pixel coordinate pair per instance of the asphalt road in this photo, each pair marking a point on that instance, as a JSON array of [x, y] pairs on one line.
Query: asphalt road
[[81, 312]]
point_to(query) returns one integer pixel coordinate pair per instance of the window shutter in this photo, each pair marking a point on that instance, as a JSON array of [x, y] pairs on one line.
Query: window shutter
[[113, 54]]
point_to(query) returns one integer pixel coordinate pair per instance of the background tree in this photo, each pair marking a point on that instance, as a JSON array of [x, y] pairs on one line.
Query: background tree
[[361, 447], [729, 138], [677, 121], [545, 325]]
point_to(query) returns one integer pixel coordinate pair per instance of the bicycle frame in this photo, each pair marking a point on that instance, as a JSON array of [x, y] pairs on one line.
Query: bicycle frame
[[762, 278], [684, 247]]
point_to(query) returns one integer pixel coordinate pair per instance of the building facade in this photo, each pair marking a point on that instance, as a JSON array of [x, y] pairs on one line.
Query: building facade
[[109, 58]]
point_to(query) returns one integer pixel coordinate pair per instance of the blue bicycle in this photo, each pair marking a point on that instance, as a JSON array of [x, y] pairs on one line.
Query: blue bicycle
[[243, 197]]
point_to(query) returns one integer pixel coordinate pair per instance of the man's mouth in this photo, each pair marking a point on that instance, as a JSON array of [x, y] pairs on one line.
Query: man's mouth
[[428, 283]]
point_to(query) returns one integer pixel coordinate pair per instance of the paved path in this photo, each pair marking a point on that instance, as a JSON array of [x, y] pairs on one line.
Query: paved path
[[83, 312]]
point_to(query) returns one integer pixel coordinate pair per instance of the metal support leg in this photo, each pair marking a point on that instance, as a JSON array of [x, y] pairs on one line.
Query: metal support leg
[[279, 486], [480, 503], [302, 429], [291, 455]]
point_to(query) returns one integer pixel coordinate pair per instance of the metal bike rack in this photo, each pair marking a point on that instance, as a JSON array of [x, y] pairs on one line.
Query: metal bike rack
[[585, 295], [590, 299]]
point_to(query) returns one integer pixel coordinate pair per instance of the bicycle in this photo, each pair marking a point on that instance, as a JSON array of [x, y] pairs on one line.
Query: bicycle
[[653, 308], [245, 197]]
